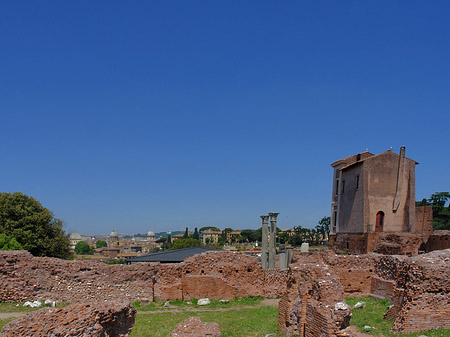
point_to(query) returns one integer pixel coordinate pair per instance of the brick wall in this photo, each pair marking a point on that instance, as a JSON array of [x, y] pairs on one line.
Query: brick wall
[[208, 286], [24, 277], [420, 290], [307, 308], [424, 220], [437, 241]]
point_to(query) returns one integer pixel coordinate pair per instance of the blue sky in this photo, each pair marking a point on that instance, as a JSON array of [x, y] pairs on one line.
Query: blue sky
[[167, 114]]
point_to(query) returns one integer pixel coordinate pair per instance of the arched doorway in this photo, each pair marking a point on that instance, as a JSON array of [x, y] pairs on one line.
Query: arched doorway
[[379, 222]]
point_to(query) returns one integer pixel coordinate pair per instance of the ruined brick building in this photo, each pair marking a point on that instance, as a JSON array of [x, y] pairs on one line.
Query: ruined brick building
[[373, 205]]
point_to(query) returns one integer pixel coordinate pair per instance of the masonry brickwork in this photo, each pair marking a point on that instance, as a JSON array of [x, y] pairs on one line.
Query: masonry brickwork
[[438, 240], [419, 287], [215, 274], [420, 290], [107, 319], [308, 306]]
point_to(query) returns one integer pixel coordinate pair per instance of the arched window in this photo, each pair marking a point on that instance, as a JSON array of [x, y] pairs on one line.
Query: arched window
[[379, 222]]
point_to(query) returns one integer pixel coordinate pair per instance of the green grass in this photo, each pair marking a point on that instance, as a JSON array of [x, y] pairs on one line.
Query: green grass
[[15, 307], [249, 322], [177, 304], [372, 315], [3, 322], [18, 307]]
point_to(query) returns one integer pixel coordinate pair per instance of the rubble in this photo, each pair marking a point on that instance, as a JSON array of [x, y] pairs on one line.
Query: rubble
[[194, 327], [109, 319]]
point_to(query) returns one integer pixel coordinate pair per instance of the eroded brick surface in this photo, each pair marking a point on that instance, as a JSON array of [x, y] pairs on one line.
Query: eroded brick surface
[[113, 319], [422, 290], [24, 277], [307, 308], [222, 274]]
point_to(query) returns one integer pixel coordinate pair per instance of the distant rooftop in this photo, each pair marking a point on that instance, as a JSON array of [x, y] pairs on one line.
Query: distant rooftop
[[170, 256]]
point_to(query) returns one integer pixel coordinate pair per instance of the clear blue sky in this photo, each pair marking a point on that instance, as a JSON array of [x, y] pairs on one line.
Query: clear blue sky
[[167, 114]]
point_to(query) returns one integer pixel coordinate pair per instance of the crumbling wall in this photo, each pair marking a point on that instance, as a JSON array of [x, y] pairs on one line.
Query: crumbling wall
[[354, 271], [313, 303], [398, 243], [24, 277], [212, 274], [438, 240], [111, 319], [420, 290], [424, 220], [220, 275]]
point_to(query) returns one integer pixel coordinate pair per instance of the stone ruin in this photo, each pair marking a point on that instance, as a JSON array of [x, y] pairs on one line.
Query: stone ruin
[[418, 286], [311, 289], [109, 319], [213, 274], [313, 304]]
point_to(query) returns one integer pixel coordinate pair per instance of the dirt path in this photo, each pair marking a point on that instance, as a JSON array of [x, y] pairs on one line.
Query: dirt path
[[265, 302], [6, 315], [273, 302]]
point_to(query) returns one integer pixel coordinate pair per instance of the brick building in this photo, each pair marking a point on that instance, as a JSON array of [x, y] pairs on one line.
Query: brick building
[[373, 205]]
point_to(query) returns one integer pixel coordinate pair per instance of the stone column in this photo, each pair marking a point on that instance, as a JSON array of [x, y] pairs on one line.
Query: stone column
[[272, 238], [265, 250]]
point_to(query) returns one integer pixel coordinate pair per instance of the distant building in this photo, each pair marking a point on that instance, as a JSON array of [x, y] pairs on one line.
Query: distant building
[[233, 236], [151, 239], [113, 238], [74, 238], [210, 236]]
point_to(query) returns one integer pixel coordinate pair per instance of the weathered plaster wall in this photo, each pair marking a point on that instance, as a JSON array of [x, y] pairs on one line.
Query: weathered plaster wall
[[351, 215], [381, 184]]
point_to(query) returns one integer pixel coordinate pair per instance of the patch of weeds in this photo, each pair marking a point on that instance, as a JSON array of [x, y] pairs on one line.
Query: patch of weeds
[[258, 321], [372, 315], [192, 303], [3, 322]]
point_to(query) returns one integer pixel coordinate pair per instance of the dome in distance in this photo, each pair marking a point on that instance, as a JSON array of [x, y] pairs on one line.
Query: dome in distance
[[75, 236], [113, 233]]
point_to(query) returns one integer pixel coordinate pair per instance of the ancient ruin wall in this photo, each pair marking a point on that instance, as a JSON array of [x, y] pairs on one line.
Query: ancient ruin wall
[[307, 308], [213, 274], [420, 290], [438, 240], [24, 277], [111, 319]]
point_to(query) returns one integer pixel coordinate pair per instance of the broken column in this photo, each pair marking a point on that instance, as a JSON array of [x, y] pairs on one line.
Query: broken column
[[265, 251], [272, 238]]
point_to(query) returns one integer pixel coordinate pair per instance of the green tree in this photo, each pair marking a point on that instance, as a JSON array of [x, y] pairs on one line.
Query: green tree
[[441, 212], [162, 240], [100, 244], [211, 228], [249, 235], [168, 243], [186, 234], [9, 243], [32, 225], [196, 236], [283, 237], [83, 248], [224, 233], [184, 243], [439, 198]]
